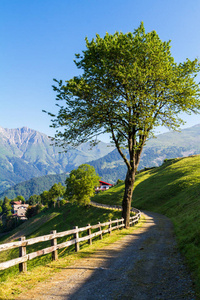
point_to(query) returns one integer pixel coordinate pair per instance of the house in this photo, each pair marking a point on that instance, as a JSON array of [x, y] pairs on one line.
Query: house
[[19, 209], [103, 186]]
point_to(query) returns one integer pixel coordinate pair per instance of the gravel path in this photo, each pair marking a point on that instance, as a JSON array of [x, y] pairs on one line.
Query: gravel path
[[142, 265]]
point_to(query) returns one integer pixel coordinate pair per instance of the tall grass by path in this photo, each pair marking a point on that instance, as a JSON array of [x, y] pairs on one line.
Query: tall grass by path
[[42, 268], [172, 189]]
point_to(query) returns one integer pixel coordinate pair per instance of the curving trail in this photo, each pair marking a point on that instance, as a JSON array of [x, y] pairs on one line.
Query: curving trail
[[142, 265]]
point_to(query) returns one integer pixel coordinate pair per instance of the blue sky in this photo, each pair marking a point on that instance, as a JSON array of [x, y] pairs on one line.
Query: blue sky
[[39, 39]]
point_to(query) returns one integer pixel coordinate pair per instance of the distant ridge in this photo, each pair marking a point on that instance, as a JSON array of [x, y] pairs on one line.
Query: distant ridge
[[165, 146], [26, 153], [33, 186], [18, 167]]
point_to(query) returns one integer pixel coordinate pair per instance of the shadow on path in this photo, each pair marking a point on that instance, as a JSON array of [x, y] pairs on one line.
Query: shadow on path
[[142, 265]]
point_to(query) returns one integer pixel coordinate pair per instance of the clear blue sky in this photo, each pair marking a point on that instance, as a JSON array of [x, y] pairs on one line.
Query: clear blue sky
[[39, 39]]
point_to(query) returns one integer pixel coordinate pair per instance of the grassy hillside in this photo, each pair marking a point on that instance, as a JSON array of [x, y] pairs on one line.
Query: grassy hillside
[[59, 219], [42, 268], [172, 189]]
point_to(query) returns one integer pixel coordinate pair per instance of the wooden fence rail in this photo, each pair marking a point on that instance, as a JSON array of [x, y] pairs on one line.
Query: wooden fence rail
[[53, 236]]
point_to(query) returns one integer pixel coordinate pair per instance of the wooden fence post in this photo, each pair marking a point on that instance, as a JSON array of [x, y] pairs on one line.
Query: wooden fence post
[[22, 252], [54, 243], [76, 236], [89, 232], [110, 227], [101, 237], [117, 224]]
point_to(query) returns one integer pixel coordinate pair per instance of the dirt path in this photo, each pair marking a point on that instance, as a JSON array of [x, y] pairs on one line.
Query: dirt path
[[143, 265]]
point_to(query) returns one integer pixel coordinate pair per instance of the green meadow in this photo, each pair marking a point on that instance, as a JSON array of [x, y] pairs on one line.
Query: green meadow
[[172, 189]]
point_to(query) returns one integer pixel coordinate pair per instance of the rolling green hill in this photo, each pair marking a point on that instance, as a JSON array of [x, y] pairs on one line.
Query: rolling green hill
[[60, 219], [172, 189]]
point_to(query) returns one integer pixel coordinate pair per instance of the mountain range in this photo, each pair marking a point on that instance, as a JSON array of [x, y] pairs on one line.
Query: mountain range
[[164, 146], [26, 154]]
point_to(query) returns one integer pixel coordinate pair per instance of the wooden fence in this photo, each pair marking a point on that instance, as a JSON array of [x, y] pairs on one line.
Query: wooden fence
[[53, 236]]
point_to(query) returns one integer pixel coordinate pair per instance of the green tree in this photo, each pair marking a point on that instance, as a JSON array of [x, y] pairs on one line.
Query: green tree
[[6, 207], [33, 210], [7, 217], [20, 198], [129, 85], [81, 184], [56, 192], [34, 199], [45, 197]]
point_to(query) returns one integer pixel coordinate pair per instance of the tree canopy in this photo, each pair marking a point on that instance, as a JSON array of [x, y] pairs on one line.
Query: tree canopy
[[81, 184], [56, 192], [129, 85]]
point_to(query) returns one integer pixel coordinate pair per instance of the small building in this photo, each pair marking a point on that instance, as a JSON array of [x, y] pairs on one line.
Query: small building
[[103, 186], [19, 210]]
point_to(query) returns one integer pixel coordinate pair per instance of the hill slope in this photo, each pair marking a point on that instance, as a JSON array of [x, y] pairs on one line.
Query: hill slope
[[60, 219], [172, 189]]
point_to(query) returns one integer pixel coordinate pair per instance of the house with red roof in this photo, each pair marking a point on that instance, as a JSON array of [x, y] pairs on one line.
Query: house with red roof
[[103, 186]]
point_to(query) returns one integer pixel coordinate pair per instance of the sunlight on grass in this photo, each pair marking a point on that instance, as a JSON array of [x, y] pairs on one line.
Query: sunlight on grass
[[172, 189], [15, 285]]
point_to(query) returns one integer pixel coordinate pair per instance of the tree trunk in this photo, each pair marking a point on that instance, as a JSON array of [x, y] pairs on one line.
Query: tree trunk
[[126, 204]]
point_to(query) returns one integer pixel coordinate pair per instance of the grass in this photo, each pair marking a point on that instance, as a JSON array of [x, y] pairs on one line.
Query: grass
[[12, 285], [54, 219], [172, 189]]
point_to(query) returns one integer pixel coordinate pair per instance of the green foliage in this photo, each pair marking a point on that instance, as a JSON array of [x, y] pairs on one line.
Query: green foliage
[[45, 197], [56, 192], [129, 85], [33, 210], [119, 181], [20, 198], [35, 199], [6, 207], [81, 184]]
